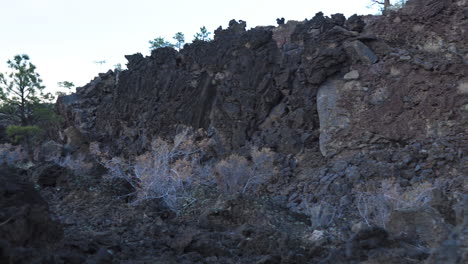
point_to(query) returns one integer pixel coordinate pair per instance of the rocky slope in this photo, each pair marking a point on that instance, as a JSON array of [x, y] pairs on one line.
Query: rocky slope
[[368, 116]]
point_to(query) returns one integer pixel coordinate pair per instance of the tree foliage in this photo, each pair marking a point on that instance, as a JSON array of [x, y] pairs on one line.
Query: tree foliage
[[20, 133], [179, 37], [25, 106], [66, 84], [159, 42], [21, 90], [203, 35]]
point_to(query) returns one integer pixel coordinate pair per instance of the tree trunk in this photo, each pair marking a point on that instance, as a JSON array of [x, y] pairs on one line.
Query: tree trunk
[[386, 4]]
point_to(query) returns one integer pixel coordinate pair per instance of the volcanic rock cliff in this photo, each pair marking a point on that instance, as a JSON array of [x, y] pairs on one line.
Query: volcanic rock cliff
[[343, 84], [344, 102]]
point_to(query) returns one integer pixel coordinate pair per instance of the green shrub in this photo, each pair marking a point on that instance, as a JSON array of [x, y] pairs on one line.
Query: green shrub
[[19, 134]]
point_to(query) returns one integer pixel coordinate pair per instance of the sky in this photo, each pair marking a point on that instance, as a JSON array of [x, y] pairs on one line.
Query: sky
[[65, 38]]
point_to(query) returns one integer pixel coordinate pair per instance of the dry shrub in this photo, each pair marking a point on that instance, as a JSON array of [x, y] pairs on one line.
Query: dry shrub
[[169, 171], [375, 204], [236, 174], [172, 171], [322, 214]]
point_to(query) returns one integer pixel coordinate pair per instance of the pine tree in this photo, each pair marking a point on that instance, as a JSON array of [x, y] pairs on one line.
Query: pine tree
[[180, 40], [21, 90], [159, 42], [203, 35]]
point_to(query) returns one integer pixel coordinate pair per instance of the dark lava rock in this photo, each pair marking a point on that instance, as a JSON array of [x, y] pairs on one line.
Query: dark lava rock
[[26, 228], [355, 23], [49, 175]]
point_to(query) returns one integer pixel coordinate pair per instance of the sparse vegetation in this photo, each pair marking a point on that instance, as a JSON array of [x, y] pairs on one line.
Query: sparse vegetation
[[180, 40], [66, 84], [375, 204], [25, 105], [236, 174], [203, 35], [170, 171], [159, 42]]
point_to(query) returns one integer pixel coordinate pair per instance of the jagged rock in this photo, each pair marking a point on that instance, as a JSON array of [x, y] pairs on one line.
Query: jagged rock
[[280, 21], [333, 118], [355, 23], [352, 75], [453, 250], [365, 239], [231, 94], [50, 151], [358, 51], [234, 85], [423, 224], [74, 139]]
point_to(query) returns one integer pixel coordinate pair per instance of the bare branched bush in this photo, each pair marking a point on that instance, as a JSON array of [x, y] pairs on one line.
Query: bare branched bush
[[376, 204], [236, 174], [169, 171]]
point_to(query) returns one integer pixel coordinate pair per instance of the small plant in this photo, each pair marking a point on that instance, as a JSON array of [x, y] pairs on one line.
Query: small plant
[[203, 35], [236, 174], [118, 67], [67, 85], [159, 42], [180, 40], [375, 205]]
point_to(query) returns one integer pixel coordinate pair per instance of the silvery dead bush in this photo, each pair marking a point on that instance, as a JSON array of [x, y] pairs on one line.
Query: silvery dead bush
[[170, 171], [375, 205], [237, 174]]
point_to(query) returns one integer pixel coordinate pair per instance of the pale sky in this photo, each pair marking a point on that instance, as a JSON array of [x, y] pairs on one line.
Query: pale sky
[[64, 38]]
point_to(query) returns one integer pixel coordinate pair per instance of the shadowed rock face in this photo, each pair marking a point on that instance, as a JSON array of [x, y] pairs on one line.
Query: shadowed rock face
[[26, 228], [255, 85], [261, 85]]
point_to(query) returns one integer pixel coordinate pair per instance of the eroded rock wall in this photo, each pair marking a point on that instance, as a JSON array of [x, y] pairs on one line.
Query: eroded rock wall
[[401, 77], [243, 86]]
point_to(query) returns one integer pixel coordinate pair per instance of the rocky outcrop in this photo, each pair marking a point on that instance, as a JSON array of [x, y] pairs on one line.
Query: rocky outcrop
[[351, 103], [258, 85], [261, 85]]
